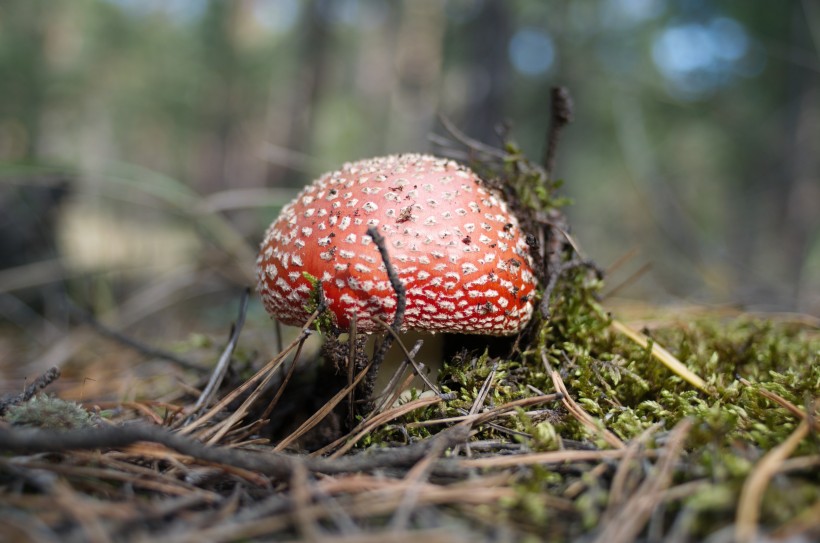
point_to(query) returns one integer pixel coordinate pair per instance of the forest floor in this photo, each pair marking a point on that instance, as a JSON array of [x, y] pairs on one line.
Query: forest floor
[[599, 423], [586, 436]]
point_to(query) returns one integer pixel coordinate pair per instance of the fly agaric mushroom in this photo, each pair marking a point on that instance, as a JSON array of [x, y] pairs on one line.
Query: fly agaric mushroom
[[454, 244]]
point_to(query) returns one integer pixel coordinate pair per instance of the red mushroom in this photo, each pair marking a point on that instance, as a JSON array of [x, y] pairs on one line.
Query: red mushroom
[[455, 246]]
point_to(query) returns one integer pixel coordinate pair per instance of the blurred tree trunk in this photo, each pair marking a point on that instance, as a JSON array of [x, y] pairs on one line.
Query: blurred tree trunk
[[798, 203], [418, 65], [222, 65], [491, 34], [376, 77], [22, 97], [314, 40], [29, 204], [775, 212]]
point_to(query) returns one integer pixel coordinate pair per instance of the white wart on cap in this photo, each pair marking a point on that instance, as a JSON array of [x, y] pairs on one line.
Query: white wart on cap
[[455, 246]]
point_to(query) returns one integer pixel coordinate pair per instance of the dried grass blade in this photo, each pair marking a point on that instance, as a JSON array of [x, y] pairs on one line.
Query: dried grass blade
[[784, 403], [619, 482], [151, 451], [589, 422], [392, 392], [225, 359], [661, 354], [496, 412], [384, 418], [478, 403], [218, 431], [303, 516], [270, 367], [634, 276], [317, 417], [408, 355], [414, 479], [481, 397], [552, 457], [76, 506], [351, 365], [139, 480], [351, 439], [751, 495], [625, 526]]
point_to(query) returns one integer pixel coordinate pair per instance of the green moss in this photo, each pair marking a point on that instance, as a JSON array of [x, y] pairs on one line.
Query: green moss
[[324, 322], [627, 390], [48, 412]]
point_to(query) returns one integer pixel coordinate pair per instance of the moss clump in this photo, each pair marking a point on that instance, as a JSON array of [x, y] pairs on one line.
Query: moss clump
[[624, 387], [50, 413], [743, 359]]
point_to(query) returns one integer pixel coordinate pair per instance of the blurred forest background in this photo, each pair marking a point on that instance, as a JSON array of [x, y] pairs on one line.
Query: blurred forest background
[[146, 142]]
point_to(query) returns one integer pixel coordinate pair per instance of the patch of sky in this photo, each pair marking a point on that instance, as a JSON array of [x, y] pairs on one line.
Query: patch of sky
[[531, 51], [354, 13], [698, 58], [180, 11], [276, 15], [629, 13]]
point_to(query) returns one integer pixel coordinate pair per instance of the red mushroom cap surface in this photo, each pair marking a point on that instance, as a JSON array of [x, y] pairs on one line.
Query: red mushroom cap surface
[[455, 246]]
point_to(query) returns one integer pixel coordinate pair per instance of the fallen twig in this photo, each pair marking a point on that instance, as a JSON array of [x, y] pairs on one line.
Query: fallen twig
[[398, 317], [275, 464], [31, 390]]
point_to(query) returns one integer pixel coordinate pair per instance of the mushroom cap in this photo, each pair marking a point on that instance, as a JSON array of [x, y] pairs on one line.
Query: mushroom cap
[[454, 244]]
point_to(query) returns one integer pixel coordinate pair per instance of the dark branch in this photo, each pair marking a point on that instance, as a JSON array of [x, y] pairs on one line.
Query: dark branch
[[36, 386], [561, 116], [398, 317], [393, 276], [278, 465]]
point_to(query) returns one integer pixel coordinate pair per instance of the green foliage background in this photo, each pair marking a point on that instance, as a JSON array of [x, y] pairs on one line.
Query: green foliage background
[[710, 170]]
